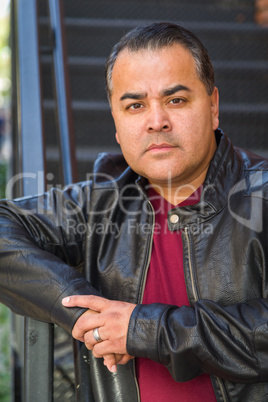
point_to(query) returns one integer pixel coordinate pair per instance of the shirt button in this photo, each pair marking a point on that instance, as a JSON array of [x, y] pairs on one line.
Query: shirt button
[[174, 218]]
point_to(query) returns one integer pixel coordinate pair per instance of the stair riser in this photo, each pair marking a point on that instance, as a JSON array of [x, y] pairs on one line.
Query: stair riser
[[191, 10], [235, 85], [221, 44], [96, 129]]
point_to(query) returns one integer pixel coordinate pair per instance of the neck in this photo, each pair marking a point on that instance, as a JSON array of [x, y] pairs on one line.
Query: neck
[[175, 191], [175, 194]]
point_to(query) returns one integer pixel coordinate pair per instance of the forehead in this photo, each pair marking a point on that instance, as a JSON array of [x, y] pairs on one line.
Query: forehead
[[160, 67], [173, 49]]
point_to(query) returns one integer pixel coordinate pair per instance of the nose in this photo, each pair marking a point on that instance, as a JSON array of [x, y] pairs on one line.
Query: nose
[[158, 120]]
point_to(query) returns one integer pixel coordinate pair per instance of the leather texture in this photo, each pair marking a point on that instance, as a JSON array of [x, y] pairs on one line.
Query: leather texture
[[95, 237]]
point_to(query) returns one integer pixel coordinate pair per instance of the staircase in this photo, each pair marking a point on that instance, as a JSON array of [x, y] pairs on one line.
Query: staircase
[[239, 51], [237, 46]]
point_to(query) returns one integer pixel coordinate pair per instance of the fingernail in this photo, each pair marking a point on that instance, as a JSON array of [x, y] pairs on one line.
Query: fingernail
[[66, 300], [113, 369]]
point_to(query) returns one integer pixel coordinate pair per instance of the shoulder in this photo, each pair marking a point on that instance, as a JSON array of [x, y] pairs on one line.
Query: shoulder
[[110, 169], [252, 161], [255, 173]]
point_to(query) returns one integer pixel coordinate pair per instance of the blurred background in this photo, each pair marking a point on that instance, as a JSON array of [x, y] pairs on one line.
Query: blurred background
[[74, 48], [5, 80], [5, 151], [237, 45]]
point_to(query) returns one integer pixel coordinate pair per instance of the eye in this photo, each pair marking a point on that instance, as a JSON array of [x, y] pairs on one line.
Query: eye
[[176, 101], [134, 106]]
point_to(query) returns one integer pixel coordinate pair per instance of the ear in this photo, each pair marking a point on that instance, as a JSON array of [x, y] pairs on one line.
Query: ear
[[215, 108], [117, 138], [116, 135]]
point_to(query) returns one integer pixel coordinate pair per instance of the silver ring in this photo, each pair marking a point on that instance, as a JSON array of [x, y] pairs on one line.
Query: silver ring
[[97, 335]]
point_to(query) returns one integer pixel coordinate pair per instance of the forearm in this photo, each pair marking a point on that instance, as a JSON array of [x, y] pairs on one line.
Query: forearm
[[41, 256], [33, 282], [228, 342]]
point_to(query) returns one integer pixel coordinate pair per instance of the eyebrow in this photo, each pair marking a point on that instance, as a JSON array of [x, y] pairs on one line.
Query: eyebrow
[[164, 92], [175, 89], [136, 96]]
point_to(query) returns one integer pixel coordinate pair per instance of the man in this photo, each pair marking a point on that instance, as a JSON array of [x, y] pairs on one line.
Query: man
[[174, 243], [261, 12]]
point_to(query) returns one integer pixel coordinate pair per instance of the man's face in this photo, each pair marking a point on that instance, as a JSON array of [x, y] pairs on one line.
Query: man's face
[[164, 118]]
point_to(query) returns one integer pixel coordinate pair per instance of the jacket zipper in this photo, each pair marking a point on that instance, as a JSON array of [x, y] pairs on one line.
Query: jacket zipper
[[194, 290], [149, 255], [221, 386], [143, 285], [195, 295]]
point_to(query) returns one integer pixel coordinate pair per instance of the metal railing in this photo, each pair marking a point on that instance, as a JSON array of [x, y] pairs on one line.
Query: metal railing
[[62, 83], [34, 356], [37, 378]]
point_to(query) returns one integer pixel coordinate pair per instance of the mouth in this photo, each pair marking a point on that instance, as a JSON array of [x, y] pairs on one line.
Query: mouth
[[160, 147]]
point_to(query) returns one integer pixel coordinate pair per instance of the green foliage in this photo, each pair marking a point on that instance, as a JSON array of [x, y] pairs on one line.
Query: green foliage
[[5, 335], [5, 58], [4, 355], [5, 377], [3, 173]]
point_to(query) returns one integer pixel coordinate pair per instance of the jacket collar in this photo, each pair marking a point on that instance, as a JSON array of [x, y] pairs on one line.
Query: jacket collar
[[224, 171]]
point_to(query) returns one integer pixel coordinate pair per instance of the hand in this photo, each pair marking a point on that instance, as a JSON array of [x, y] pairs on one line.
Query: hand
[[112, 321], [111, 360]]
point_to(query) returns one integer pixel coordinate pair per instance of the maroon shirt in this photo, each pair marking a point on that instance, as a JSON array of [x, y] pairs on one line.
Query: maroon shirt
[[166, 284]]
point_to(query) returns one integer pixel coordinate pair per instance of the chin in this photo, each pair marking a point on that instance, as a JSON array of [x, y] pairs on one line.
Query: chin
[[163, 178]]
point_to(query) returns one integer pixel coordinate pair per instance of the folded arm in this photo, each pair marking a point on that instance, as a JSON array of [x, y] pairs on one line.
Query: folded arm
[[41, 253], [229, 342]]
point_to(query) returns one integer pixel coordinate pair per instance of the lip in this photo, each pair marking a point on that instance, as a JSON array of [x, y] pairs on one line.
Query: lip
[[160, 147]]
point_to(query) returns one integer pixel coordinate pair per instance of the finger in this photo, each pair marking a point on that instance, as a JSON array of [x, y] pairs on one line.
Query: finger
[[118, 357], [82, 325], [110, 362], [87, 301], [90, 340], [87, 324], [125, 359], [100, 349]]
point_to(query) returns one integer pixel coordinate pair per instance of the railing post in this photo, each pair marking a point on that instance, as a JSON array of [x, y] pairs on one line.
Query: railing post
[[62, 83], [38, 340], [67, 141]]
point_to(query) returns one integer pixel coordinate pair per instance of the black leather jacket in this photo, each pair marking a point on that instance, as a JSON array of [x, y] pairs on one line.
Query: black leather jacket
[[102, 230]]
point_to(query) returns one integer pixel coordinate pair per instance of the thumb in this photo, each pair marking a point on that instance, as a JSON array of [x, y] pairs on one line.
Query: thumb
[[87, 301]]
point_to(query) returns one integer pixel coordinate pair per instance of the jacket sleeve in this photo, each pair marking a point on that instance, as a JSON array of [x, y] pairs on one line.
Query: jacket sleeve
[[229, 342], [42, 241]]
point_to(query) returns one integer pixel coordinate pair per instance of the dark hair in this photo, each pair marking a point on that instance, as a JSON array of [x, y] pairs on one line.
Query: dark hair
[[156, 36]]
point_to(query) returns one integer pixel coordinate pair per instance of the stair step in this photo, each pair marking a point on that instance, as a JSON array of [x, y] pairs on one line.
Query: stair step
[[103, 107], [245, 108], [85, 156], [237, 46], [236, 80], [225, 41], [128, 24], [93, 123], [208, 10], [81, 106], [245, 123]]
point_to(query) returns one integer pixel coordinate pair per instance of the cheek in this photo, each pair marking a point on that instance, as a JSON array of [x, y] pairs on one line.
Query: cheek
[[128, 145], [128, 135], [199, 125]]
